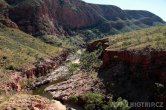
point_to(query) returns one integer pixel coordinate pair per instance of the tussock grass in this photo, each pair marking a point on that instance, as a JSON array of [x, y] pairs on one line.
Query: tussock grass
[[18, 49], [153, 38]]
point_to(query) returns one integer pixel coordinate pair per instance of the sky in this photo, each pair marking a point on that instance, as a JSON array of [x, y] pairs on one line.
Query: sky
[[157, 7]]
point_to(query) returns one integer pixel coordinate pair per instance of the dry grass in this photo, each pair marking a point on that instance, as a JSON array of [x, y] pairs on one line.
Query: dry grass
[[154, 38], [18, 49]]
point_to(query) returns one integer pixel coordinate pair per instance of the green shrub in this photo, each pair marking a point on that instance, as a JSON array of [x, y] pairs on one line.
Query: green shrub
[[73, 98], [92, 98], [120, 104], [73, 67], [96, 101], [90, 60]]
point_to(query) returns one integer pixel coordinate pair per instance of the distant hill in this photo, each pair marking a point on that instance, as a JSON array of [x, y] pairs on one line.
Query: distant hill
[[69, 17]]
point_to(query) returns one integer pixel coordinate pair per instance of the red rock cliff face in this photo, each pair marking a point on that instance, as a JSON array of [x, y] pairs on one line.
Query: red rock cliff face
[[152, 63], [61, 17], [54, 16]]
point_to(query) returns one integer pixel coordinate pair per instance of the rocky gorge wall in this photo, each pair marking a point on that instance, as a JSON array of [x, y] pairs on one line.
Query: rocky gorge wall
[[66, 17], [132, 74], [151, 64]]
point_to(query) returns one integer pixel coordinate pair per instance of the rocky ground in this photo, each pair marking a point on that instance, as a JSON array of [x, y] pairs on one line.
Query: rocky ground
[[31, 102], [58, 73], [73, 84], [76, 85]]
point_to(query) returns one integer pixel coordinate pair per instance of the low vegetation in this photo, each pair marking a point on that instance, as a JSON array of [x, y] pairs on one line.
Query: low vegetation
[[73, 42], [96, 101], [22, 101], [73, 98], [90, 60], [18, 49], [73, 67], [153, 38]]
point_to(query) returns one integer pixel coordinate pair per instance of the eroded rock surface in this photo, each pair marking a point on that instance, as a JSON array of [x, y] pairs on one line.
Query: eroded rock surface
[[30, 102], [60, 72], [75, 85]]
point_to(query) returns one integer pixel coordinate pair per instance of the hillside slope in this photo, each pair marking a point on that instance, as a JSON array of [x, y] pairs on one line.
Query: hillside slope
[[65, 17], [152, 38], [19, 49]]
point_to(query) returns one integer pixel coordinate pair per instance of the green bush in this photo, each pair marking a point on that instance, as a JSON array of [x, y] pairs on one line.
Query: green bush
[[96, 101], [120, 104], [73, 98], [73, 67], [90, 60], [92, 98]]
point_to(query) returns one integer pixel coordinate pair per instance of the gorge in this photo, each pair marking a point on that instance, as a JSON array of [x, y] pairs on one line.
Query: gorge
[[73, 55]]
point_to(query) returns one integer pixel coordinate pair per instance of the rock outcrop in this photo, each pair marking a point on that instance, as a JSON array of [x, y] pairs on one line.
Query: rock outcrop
[[68, 16], [77, 84], [45, 67], [96, 44], [30, 102]]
